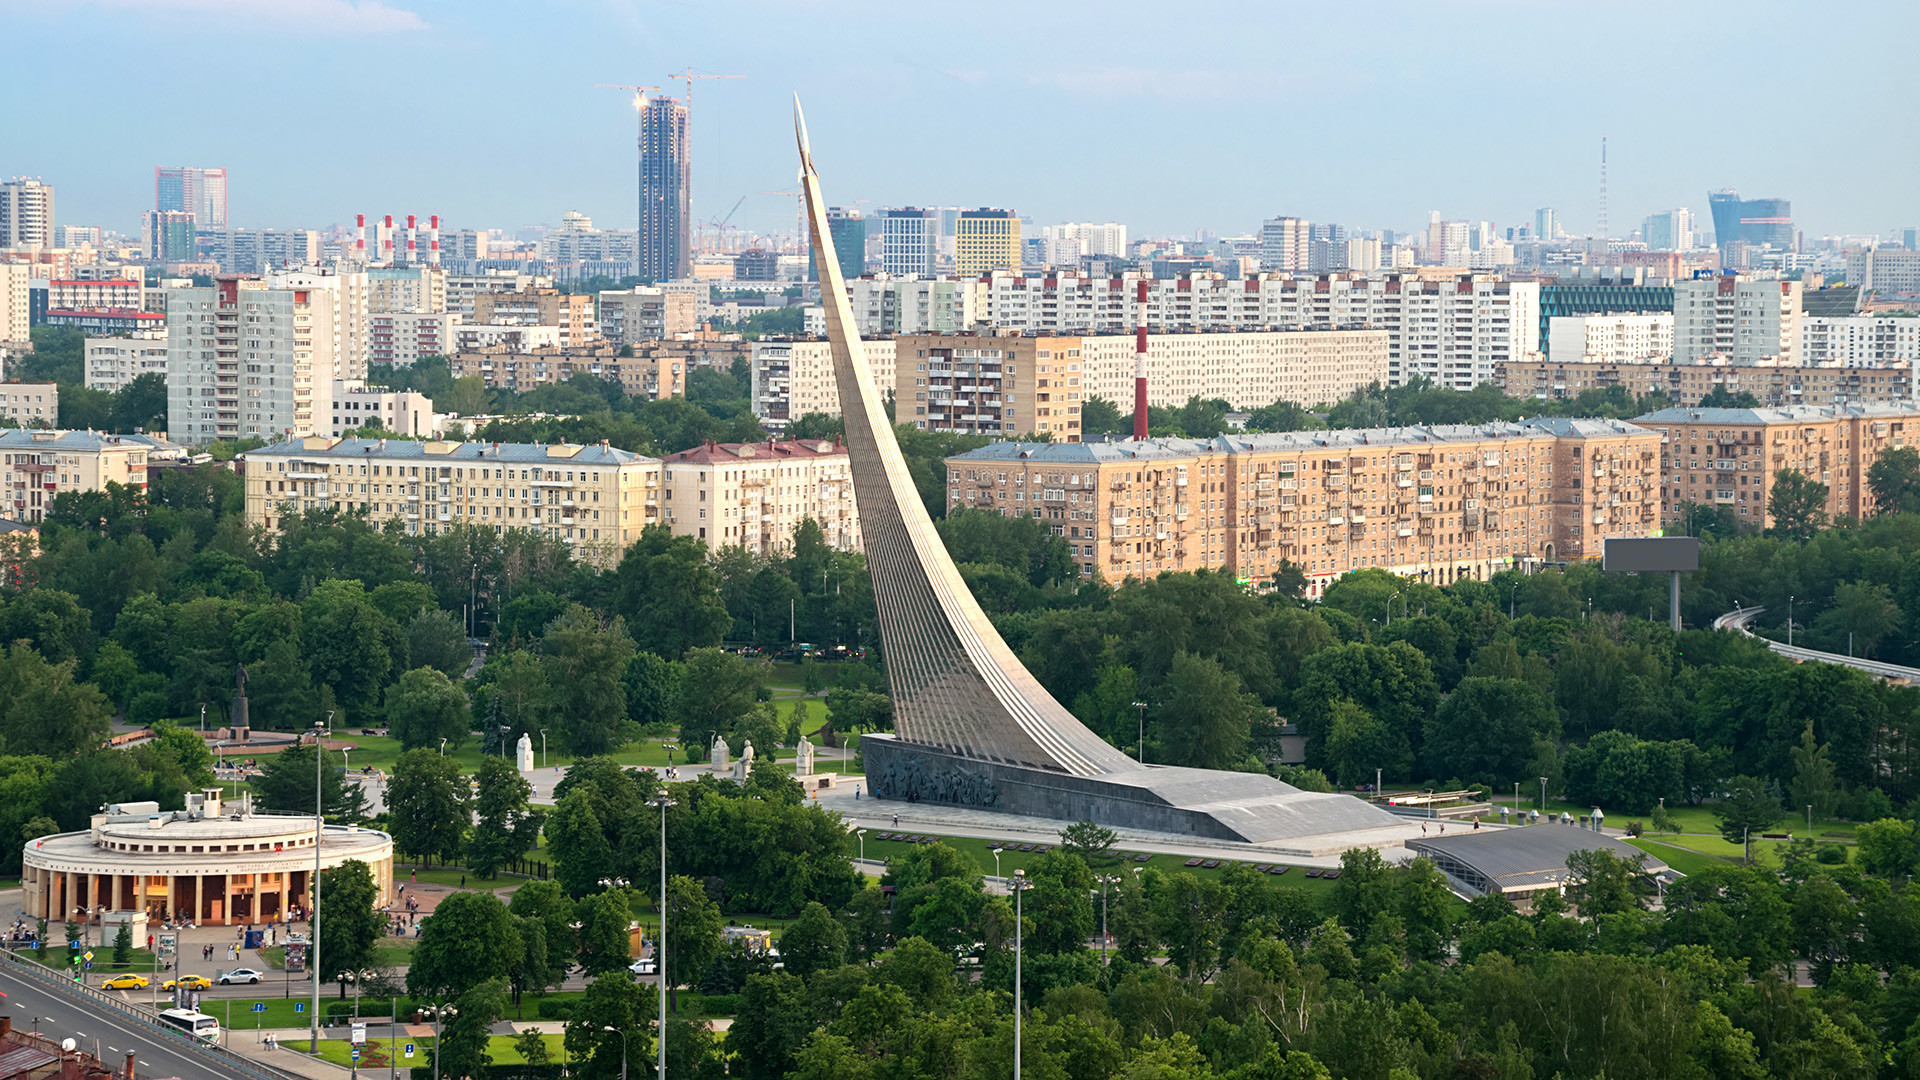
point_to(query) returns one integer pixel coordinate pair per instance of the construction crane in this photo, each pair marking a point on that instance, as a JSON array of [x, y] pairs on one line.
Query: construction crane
[[719, 225], [799, 217], [688, 76], [639, 116]]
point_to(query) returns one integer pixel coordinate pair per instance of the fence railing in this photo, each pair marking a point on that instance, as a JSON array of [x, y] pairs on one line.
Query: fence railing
[[178, 1039]]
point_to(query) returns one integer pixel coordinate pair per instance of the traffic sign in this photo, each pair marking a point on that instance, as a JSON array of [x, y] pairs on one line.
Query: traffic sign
[[259, 1006], [88, 955], [89, 965], [409, 1049], [356, 1053], [299, 1006]]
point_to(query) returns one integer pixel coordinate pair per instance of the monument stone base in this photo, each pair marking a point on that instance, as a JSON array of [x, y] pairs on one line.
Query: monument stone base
[[1247, 807]]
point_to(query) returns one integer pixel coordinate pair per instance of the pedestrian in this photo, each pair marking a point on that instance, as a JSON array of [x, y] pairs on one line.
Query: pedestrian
[[856, 791], [896, 821], [1423, 828], [463, 881]]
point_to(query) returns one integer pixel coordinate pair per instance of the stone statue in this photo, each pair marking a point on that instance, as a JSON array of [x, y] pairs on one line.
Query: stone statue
[[744, 767], [241, 724], [803, 761], [719, 754], [522, 754]]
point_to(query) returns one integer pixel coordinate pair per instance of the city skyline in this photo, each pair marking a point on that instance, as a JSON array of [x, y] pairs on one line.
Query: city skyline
[[1346, 134]]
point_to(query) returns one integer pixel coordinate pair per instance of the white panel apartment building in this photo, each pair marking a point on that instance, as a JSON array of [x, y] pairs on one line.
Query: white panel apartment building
[[883, 305], [29, 404], [113, 362], [1452, 328], [1860, 340], [248, 361], [351, 302], [403, 412], [257, 251], [790, 379], [95, 295], [16, 281], [1742, 318], [1248, 370], [1616, 339]]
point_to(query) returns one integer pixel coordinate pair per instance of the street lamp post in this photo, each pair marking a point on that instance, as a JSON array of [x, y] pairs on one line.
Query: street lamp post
[[440, 1025], [862, 834], [996, 862], [203, 718], [1105, 880], [543, 748], [623, 1047], [1789, 621], [319, 825], [1390, 599], [443, 747], [660, 942], [1140, 748], [1019, 884], [1543, 794]]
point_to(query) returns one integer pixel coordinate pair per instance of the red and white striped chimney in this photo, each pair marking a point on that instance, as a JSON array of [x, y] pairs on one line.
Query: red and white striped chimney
[[411, 233], [386, 238], [360, 235], [433, 240], [1140, 366]]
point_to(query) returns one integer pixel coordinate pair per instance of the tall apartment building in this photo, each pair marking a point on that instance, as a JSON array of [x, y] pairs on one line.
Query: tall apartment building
[[790, 378], [1618, 339], [1742, 318], [16, 289], [1449, 243], [1771, 382], [1002, 383], [113, 362], [1729, 457], [1671, 230], [666, 191], [596, 499], [849, 232], [168, 236], [909, 241], [350, 308], [422, 289], [29, 404], [200, 192], [1285, 243], [1885, 272], [1437, 503], [1067, 244], [1754, 223], [248, 361], [257, 251], [885, 305], [655, 370], [26, 213], [1860, 339], [38, 464], [578, 250], [753, 495], [481, 337], [1546, 223], [649, 312], [986, 240], [572, 312], [403, 338], [76, 236]]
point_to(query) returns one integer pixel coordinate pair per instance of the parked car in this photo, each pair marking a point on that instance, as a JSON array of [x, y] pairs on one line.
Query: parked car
[[239, 975], [643, 966], [125, 982]]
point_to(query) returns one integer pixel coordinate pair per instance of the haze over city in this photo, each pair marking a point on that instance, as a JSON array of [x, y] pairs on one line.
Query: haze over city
[[487, 114]]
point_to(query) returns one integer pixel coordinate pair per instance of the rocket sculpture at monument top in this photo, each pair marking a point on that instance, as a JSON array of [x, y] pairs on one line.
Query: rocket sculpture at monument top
[[956, 685]]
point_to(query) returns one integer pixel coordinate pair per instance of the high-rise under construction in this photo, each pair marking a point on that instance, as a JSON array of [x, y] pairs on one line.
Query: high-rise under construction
[[666, 182]]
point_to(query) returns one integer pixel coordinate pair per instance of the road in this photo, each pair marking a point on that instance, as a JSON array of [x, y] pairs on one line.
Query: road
[[1737, 620], [36, 1007]]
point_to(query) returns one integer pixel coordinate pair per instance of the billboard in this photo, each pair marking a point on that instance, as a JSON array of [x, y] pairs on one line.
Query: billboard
[[1651, 554]]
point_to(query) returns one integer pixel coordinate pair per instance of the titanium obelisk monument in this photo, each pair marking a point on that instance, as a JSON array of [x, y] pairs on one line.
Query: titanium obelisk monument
[[972, 726]]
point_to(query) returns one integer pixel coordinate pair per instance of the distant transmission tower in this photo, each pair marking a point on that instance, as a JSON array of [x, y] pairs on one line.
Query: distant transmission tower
[[1603, 189]]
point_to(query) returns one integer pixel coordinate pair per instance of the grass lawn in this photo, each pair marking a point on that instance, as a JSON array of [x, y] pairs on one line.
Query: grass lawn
[[1681, 859], [499, 1047], [1691, 819]]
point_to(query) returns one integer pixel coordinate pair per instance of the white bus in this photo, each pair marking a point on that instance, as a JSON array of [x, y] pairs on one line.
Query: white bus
[[197, 1024]]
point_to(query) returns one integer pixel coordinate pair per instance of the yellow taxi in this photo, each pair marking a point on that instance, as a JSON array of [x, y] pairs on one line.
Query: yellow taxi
[[125, 982], [189, 982]]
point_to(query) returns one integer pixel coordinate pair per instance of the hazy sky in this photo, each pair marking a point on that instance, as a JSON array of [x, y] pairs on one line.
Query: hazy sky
[[1165, 116]]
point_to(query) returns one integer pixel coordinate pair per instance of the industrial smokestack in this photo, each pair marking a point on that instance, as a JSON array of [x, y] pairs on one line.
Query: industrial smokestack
[[386, 238], [1140, 366], [411, 234], [360, 235], [433, 240]]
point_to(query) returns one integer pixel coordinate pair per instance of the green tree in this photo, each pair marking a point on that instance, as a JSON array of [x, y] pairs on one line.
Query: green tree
[[286, 784], [714, 691], [612, 1000], [772, 1024], [587, 658], [350, 644], [436, 639], [604, 943], [1203, 716], [814, 942], [469, 939], [1746, 807], [427, 800], [1797, 504], [546, 903], [1603, 883], [1487, 729], [667, 591], [1091, 843], [425, 707], [44, 709], [1862, 616], [464, 1039], [1894, 479], [123, 946], [1355, 744], [694, 925], [505, 826], [578, 843], [1813, 783], [351, 923]]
